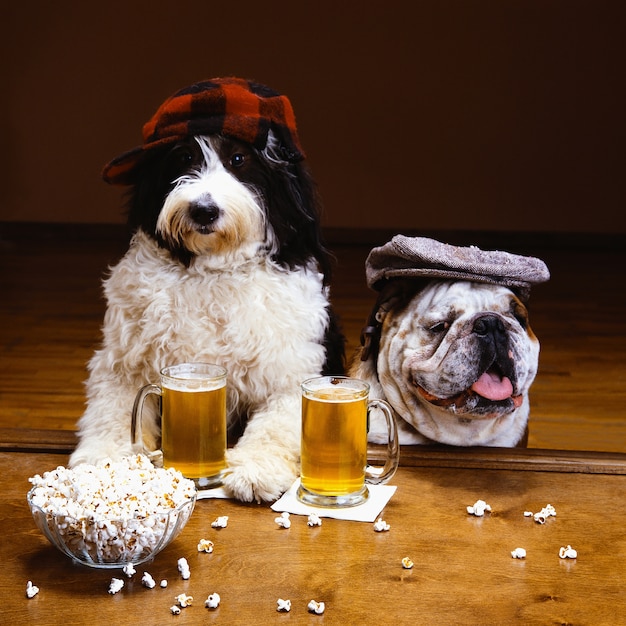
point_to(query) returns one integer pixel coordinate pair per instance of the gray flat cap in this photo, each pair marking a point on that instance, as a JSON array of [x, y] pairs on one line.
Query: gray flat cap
[[422, 257]]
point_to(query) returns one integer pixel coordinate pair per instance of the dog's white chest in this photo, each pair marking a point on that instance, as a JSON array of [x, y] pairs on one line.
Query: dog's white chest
[[249, 313]]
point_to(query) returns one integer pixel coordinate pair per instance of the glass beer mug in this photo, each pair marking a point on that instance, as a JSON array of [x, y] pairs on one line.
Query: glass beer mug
[[334, 470], [193, 420]]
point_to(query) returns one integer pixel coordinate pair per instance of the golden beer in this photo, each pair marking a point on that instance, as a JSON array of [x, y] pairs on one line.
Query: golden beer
[[193, 430], [334, 440], [333, 449]]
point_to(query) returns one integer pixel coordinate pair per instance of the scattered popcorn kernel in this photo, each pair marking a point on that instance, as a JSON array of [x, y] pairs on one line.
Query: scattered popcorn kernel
[[407, 563], [283, 520], [184, 600], [163, 583], [213, 601], [115, 585], [316, 607], [31, 590], [479, 508], [568, 553], [205, 545], [283, 605], [220, 522], [314, 520], [175, 610], [380, 525], [183, 568], [148, 581], [518, 553], [528, 513], [129, 570], [544, 514]]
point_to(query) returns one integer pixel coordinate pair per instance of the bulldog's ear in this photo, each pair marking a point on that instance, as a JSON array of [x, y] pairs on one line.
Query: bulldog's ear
[[364, 369], [394, 295]]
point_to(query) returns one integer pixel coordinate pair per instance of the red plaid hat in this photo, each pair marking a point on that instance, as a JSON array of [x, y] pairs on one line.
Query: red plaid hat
[[232, 107]]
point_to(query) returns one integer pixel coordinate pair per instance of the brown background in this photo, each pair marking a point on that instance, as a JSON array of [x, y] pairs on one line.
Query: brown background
[[479, 115]]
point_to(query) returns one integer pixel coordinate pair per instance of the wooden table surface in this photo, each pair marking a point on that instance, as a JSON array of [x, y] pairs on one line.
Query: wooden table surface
[[463, 573]]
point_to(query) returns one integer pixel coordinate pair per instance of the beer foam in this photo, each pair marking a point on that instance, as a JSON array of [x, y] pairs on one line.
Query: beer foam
[[194, 382], [193, 377], [336, 394]]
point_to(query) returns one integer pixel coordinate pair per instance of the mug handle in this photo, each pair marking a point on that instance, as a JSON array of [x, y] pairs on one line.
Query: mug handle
[[135, 424], [381, 475]]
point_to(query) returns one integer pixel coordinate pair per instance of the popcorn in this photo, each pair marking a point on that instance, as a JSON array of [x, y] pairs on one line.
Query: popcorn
[[175, 610], [115, 585], [479, 508], [220, 522], [407, 563], [213, 601], [314, 520], [163, 584], [31, 590], [316, 607], [568, 553], [205, 545], [148, 581], [115, 511], [184, 600], [380, 525], [518, 553], [283, 521], [544, 514], [129, 570], [283, 605], [183, 568]]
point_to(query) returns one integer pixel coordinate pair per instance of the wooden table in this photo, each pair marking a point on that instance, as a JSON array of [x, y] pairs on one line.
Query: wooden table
[[463, 573]]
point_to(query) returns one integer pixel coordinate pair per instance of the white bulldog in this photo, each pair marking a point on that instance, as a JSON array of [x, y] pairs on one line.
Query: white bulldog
[[454, 358]]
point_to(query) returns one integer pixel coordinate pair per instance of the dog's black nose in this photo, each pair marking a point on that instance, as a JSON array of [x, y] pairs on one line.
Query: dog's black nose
[[204, 211], [488, 325]]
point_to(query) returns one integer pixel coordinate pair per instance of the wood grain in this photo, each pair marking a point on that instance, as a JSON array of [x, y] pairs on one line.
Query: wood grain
[[463, 573]]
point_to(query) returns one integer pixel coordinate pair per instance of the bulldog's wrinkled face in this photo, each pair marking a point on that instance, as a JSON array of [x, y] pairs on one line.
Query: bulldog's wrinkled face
[[457, 361]]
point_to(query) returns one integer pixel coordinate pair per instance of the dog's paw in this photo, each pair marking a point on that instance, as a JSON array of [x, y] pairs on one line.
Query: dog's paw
[[95, 452], [260, 476]]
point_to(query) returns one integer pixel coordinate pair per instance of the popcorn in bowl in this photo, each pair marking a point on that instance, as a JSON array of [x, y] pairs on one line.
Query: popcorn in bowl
[[112, 514]]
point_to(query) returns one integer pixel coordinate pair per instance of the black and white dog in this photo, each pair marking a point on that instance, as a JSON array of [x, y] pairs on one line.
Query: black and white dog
[[227, 266]]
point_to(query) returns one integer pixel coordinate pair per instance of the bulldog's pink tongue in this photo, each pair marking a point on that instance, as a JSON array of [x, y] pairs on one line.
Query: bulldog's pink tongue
[[492, 387]]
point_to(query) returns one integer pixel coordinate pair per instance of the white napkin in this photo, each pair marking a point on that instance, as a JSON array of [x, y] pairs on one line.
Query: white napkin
[[216, 492], [366, 512]]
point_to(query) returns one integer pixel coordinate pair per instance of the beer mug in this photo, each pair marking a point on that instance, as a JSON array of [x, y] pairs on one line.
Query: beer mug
[[193, 420], [334, 470]]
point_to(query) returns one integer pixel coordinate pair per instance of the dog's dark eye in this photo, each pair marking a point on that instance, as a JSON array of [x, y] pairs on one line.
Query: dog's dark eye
[[440, 327], [185, 157], [520, 313], [238, 159], [180, 158]]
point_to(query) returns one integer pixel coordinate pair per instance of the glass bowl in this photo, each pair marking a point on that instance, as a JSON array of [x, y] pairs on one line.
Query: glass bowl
[[112, 543]]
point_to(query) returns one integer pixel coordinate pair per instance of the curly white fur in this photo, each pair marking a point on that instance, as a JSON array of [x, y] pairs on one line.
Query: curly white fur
[[263, 324]]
